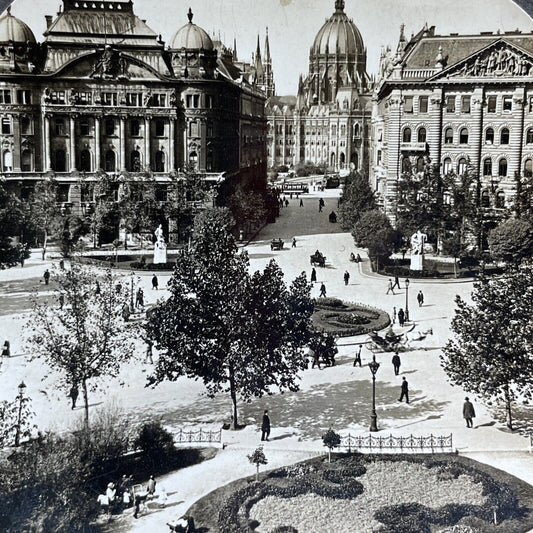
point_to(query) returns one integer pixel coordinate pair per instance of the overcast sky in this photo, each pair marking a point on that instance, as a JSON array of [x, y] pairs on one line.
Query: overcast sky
[[293, 24]]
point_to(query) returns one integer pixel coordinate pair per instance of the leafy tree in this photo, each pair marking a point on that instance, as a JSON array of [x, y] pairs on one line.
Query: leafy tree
[[44, 209], [11, 217], [331, 440], [105, 218], [15, 420], [490, 353], [512, 241], [356, 198], [523, 200], [85, 339], [74, 227], [239, 333], [258, 458], [248, 209]]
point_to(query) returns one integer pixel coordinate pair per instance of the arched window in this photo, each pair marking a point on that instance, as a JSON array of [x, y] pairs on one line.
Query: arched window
[[193, 159], [135, 161], [85, 161], [502, 167], [504, 136], [332, 159], [487, 167], [135, 128], [26, 161], [485, 199], [356, 131], [109, 126], [406, 135], [489, 136], [448, 136], [422, 135], [406, 164], [355, 160], [528, 168], [160, 161], [7, 161], [461, 166], [420, 164], [529, 136], [60, 164], [500, 200], [447, 166], [463, 136], [343, 159], [110, 161]]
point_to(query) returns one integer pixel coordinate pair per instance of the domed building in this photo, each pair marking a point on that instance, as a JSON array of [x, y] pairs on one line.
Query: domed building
[[327, 124], [18, 47]]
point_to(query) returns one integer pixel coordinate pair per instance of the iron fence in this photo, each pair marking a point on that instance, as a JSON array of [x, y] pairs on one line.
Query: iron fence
[[197, 436], [391, 443]]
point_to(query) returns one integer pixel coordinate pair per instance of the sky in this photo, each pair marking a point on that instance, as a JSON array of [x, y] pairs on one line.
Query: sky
[[293, 24]]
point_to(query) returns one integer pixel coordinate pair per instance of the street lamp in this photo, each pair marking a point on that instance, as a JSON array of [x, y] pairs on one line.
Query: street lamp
[[373, 365], [131, 293], [407, 300], [20, 398]]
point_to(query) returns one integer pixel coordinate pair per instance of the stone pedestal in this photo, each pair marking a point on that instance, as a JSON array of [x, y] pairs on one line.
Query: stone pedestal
[[160, 255], [417, 262]]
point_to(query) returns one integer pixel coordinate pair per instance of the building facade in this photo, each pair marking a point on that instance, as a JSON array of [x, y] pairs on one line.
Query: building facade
[[103, 92], [328, 122], [464, 101]]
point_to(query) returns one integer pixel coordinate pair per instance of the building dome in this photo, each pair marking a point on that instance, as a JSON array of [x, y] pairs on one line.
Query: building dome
[[191, 37], [13, 29], [338, 35]]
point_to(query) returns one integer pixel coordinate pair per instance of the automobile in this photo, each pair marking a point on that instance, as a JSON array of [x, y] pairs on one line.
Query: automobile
[[276, 244]]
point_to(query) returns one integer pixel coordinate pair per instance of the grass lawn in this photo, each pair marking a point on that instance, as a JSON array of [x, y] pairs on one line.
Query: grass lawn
[[408, 494]]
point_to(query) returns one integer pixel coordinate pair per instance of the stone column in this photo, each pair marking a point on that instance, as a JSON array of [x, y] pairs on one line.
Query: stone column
[[393, 155], [147, 142], [171, 146], [47, 158], [122, 144], [72, 144], [17, 152], [97, 155]]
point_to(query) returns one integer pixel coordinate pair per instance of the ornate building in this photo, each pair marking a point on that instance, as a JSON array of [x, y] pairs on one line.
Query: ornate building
[[459, 100], [103, 92], [328, 121]]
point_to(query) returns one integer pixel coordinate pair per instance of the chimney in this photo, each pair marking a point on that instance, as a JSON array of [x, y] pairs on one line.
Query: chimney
[[48, 20]]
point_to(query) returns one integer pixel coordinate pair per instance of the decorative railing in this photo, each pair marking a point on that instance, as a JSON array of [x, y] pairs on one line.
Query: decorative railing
[[391, 443], [197, 436]]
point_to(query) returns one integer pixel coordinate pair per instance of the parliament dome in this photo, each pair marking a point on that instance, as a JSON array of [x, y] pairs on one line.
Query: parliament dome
[[191, 37], [338, 35], [13, 29]]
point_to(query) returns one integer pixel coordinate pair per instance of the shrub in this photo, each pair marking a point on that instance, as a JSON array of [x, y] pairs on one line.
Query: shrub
[[329, 302], [154, 440], [140, 265]]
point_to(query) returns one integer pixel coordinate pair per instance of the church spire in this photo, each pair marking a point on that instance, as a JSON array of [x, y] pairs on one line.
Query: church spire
[[267, 47], [258, 64], [235, 57]]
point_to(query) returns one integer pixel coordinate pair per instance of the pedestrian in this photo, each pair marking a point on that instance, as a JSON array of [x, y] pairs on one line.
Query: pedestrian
[[149, 355], [139, 298], [405, 391], [313, 275], [151, 486], [320, 205], [396, 362], [265, 426], [420, 298], [401, 317], [357, 359], [155, 282], [294, 242], [396, 282], [6, 349], [280, 202], [394, 315], [61, 300], [346, 277], [323, 290], [126, 312], [359, 260], [97, 287], [316, 360], [73, 394], [390, 287], [468, 412], [291, 195], [111, 493], [301, 202], [62, 264], [46, 276], [286, 202]]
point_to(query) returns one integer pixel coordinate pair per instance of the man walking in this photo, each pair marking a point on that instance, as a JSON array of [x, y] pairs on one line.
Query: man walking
[[357, 359], [155, 283], [265, 426], [405, 391], [46, 276], [468, 412], [321, 204], [301, 203], [397, 283], [396, 362], [294, 242], [390, 287], [401, 317], [323, 290], [346, 277], [420, 298]]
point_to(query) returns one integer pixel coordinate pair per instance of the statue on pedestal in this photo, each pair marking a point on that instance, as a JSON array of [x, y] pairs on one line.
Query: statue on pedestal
[[417, 250], [160, 247]]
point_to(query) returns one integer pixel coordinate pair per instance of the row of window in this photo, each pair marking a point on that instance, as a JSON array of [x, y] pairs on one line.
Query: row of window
[[110, 98], [110, 126], [453, 103], [194, 101], [23, 96]]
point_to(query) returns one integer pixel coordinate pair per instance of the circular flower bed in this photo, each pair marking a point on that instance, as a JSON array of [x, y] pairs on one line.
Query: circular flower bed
[[344, 319]]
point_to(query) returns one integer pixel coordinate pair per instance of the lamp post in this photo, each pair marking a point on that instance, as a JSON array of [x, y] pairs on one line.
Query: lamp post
[[373, 365], [407, 300], [132, 308], [20, 398]]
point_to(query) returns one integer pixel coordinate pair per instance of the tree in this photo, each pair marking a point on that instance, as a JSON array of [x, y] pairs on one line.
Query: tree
[[248, 209], [85, 339], [15, 420], [491, 352], [331, 440], [356, 198], [11, 217], [44, 209], [105, 217], [512, 241], [523, 200], [258, 458], [239, 333]]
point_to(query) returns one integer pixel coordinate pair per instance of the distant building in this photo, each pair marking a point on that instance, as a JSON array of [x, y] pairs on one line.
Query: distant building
[[456, 99], [104, 93], [328, 122]]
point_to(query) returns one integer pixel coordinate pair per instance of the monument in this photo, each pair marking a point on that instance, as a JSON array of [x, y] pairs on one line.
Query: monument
[[160, 248], [417, 250]]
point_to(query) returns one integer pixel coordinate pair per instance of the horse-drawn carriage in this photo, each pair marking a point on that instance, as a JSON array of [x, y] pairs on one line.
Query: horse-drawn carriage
[[276, 244], [317, 259]]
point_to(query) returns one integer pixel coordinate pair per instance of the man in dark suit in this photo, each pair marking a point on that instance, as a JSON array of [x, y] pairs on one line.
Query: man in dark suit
[[265, 426], [468, 412], [405, 391], [396, 362]]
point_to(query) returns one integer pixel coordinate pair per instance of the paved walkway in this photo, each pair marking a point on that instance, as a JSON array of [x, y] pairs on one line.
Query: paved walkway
[[337, 397]]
